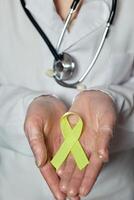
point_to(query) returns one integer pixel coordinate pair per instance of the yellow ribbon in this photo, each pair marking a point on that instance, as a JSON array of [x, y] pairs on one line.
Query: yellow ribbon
[[71, 143]]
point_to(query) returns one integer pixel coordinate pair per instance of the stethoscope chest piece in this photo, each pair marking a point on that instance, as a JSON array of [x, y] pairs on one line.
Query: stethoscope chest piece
[[65, 67]]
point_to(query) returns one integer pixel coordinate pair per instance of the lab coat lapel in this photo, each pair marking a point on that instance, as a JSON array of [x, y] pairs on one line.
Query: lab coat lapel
[[45, 13], [93, 15]]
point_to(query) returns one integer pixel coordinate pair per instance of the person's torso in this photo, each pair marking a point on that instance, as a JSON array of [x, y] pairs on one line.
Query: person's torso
[[25, 58]]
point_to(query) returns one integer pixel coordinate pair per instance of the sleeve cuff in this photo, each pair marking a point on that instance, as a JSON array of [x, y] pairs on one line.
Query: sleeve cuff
[[117, 99], [27, 100]]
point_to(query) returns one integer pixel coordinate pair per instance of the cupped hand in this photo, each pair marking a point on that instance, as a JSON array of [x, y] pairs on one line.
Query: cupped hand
[[99, 116], [43, 133]]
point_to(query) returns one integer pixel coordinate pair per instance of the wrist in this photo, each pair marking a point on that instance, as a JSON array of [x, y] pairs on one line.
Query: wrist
[[93, 92]]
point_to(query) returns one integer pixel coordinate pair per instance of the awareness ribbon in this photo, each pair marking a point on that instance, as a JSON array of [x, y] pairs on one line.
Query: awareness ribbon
[[71, 143]]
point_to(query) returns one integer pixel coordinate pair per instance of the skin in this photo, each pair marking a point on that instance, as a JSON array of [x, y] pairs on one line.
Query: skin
[[44, 136], [63, 7], [99, 115], [43, 133]]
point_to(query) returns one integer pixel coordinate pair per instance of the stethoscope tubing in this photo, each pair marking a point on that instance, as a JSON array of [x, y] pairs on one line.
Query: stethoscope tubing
[[105, 35], [52, 49], [113, 12], [82, 78], [55, 51], [97, 53], [43, 35], [67, 21]]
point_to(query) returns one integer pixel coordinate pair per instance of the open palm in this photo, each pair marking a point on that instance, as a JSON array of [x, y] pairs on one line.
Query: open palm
[[43, 133], [99, 115]]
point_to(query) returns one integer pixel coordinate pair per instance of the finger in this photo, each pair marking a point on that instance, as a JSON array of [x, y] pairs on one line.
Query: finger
[[91, 174], [57, 146], [103, 143], [67, 174], [52, 180], [75, 182], [37, 143], [60, 171], [74, 198]]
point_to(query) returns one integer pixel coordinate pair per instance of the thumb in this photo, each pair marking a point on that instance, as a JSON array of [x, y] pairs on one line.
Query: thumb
[[104, 137], [36, 140]]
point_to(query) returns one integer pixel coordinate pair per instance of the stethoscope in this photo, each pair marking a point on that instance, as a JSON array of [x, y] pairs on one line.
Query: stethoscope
[[65, 65]]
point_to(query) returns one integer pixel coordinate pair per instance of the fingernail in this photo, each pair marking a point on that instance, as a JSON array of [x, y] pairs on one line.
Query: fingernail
[[60, 197], [38, 163], [63, 188], [59, 172], [82, 192], [71, 193], [101, 153], [104, 157], [100, 156]]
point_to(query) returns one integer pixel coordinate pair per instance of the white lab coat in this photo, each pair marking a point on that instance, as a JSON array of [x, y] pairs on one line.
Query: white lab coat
[[24, 59]]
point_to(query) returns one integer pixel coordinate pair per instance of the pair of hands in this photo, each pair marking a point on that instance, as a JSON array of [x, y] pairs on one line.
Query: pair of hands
[[43, 132]]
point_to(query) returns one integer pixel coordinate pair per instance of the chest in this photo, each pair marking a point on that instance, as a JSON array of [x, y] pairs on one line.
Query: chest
[[25, 57]]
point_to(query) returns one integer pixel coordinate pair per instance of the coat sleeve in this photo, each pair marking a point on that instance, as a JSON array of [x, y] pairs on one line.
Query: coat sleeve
[[14, 102], [123, 97]]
